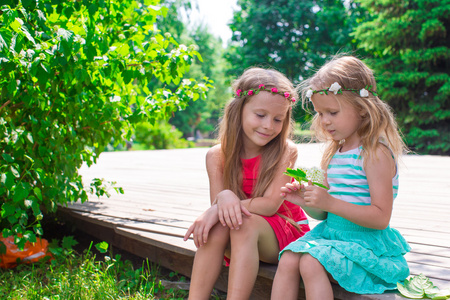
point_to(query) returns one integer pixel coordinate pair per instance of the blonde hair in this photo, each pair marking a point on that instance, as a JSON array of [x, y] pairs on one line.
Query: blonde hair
[[231, 133], [378, 121]]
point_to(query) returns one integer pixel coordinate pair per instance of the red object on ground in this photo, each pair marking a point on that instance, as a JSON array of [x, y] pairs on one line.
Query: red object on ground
[[32, 252]]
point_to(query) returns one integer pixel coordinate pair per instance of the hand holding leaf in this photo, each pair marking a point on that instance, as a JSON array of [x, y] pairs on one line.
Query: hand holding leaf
[[315, 175]]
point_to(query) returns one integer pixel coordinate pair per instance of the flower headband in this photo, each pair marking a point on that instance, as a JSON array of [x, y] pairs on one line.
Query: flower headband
[[262, 87], [336, 88]]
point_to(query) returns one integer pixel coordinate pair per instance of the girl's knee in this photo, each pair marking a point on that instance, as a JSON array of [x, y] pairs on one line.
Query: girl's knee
[[289, 260], [219, 236], [247, 230], [310, 265]]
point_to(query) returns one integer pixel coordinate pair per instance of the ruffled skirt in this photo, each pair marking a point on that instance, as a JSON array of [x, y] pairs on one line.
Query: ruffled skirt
[[362, 260]]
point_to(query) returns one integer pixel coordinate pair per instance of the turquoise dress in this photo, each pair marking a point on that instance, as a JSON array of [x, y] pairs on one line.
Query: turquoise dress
[[362, 260]]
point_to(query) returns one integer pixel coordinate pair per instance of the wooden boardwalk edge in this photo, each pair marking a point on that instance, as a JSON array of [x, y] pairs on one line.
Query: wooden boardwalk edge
[[166, 190], [173, 253]]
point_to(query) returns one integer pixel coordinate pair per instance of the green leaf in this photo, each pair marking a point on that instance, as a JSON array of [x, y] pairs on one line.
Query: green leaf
[[68, 242], [3, 43], [296, 174], [418, 287], [319, 184], [102, 247], [439, 294], [15, 172], [2, 248], [300, 175], [20, 192], [407, 293], [9, 180], [7, 157], [37, 192], [30, 236], [7, 210]]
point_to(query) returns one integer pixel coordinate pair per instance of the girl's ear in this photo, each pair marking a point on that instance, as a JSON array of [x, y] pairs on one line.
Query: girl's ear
[[363, 113]]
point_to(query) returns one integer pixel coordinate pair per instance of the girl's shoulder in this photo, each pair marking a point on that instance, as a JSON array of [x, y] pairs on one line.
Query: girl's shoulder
[[214, 155], [214, 149], [382, 151], [291, 146], [382, 157], [291, 150]]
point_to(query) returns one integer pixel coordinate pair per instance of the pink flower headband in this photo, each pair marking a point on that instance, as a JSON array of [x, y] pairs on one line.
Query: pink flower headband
[[262, 87]]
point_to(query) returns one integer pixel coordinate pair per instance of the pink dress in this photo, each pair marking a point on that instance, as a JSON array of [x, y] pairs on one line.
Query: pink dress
[[283, 229]]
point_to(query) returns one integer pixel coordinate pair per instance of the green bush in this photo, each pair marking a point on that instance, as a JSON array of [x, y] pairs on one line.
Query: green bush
[[73, 77], [161, 135]]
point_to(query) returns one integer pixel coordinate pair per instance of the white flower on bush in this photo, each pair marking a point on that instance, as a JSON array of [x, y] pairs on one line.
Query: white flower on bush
[[335, 87], [364, 93]]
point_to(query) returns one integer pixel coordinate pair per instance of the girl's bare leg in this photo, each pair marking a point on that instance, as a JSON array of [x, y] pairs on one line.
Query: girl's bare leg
[[315, 278], [254, 241], [208, 263], [287, 278]]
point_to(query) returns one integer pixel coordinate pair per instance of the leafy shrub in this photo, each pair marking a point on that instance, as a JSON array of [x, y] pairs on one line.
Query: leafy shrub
[[161, 135], [73, 77]]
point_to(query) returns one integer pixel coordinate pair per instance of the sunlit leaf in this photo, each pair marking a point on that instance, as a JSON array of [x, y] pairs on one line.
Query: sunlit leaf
[[102, 247]]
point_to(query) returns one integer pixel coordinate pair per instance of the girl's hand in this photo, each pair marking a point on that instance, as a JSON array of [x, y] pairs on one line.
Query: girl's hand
[[201, 226], [317, 197], [294, 193], [230, 209]]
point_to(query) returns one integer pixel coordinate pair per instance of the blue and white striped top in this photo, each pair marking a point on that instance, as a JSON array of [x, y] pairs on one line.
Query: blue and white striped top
[[347, 178]]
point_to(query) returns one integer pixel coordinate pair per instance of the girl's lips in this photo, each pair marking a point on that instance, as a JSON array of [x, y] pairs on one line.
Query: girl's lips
[[263, 134], [331, 131]]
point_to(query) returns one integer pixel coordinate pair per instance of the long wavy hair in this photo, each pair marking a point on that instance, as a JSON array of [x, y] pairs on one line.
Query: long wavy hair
[[378, 121], [231, 132]]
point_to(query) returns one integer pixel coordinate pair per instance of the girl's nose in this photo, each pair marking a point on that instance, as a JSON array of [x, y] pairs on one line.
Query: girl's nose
[[268, 123], [325, 120]]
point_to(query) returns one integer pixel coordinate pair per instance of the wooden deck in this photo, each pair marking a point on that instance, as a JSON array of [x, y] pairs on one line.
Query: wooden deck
[[166, 190]]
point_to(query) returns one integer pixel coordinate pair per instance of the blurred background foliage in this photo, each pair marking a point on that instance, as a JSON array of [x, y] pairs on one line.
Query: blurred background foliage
[[405, 42], [79, 77]]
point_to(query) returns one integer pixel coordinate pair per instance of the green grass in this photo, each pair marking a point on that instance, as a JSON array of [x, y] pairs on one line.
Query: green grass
[[70, 275]]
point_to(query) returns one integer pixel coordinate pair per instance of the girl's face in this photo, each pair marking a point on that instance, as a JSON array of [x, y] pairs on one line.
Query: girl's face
[[340, 119], [263, 117]]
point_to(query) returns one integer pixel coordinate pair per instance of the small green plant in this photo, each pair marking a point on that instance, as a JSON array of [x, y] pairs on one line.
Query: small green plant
[[421, 287], [70, 275]]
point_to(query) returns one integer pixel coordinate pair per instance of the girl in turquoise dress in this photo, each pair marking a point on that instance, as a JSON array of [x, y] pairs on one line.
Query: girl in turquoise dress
[[354, 244]]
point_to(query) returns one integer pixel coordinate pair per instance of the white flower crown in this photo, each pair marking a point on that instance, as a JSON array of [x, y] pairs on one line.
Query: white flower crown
[[336, 88]]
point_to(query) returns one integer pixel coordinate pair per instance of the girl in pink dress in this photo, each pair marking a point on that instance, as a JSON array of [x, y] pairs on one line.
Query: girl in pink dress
[[248, 221]]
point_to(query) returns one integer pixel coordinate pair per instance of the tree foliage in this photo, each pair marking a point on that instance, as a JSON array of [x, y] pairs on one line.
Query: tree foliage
[[295, 37], [410, 48], [292, 36], [203, 115], [73, 76]]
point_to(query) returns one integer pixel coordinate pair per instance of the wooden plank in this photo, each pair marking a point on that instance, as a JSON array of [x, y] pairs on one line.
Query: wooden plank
[[166, 190], [430, 250]]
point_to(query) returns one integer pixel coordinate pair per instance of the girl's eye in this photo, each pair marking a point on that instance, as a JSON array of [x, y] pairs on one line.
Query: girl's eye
[[278, 120], [333, 113], [260, 115]]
